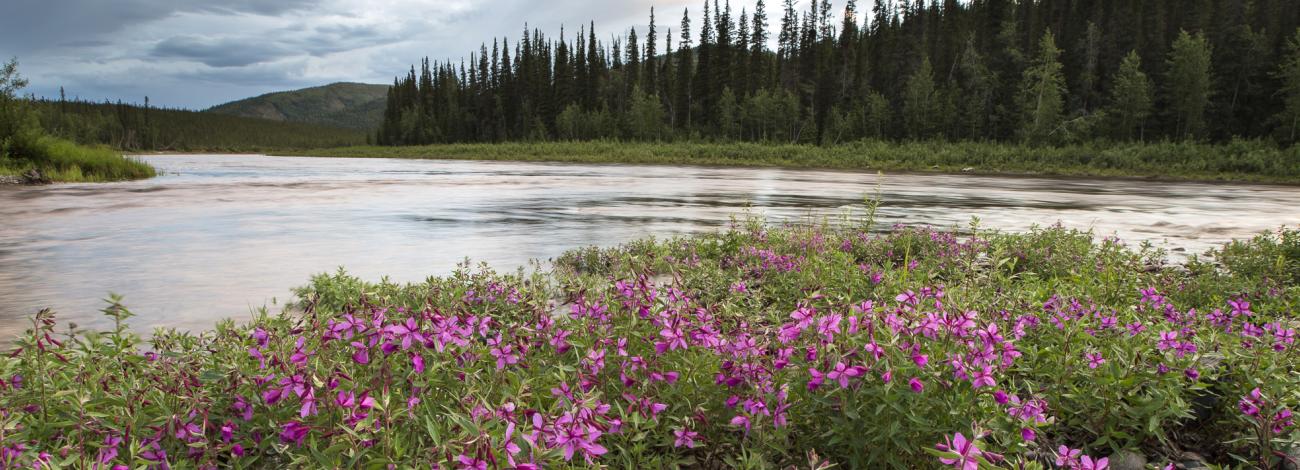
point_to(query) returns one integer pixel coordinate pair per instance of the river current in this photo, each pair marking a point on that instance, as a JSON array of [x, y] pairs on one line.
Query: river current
[[217, 236]]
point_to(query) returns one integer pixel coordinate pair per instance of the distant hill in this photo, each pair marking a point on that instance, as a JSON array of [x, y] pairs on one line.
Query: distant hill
[[347, 105], [135, 128]]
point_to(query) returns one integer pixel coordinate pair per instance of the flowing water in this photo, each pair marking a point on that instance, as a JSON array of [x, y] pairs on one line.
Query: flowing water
[[217, 236]]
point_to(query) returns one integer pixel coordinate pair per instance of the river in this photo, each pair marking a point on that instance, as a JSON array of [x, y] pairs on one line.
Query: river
[[217, 236]]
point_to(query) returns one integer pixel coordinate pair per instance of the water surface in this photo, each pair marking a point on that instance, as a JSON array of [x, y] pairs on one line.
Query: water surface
[[216, 236]]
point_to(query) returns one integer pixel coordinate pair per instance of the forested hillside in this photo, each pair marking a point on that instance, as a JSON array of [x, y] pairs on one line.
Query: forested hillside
[[348, 105], [144, 128], [1041, 72]]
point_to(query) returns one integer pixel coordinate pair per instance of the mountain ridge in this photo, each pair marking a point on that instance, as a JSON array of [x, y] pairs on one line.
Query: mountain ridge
[[342, 104]]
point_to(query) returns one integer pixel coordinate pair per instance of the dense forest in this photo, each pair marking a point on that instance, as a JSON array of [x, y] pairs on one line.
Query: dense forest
[[144, 127], [1040, 72]]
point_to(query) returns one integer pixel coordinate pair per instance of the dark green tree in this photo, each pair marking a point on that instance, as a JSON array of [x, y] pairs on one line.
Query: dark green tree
[[1188, 84], [1131, 99]]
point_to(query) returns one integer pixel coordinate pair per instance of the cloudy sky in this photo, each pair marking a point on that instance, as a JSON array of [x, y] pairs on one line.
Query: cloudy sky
[[198, 53]]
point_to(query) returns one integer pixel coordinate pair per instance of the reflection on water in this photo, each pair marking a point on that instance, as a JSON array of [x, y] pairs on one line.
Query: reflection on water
[[219, 235]]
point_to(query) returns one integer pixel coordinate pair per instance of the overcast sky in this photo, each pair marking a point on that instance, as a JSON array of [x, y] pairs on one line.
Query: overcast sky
[[198, 53]]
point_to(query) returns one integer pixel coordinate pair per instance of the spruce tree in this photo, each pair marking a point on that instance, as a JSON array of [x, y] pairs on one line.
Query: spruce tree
[[1130, 102], [921, 103], [1289, 75], [651, 75], [685, 75], [1042, 93], [758, 63], [1189, 84]]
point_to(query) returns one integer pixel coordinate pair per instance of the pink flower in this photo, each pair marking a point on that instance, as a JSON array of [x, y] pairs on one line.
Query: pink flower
[[816, 380], [1282, 420], [804, 316], [1250, 405], [578, 437], [417, 361], [920, 360], [293, 432], [967, 453], [917, 386], [1001, 397], [983, 378], [470, 463], [408, 333], [1094, 360], [843, 373], [1067, 457], [1168, 340], [1086, 463], [685, 438], [828, 326], [741, 421], [908, 297], [362, 354], [227, 431], [1240, 307], [503, 352], [511, 447], [675, 339]]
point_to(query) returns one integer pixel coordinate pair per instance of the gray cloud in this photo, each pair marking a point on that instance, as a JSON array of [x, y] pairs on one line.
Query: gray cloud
[[35, 24], [223, 52]]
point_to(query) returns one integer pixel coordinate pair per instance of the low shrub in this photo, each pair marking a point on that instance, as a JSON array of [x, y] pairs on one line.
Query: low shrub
[[757, 347]]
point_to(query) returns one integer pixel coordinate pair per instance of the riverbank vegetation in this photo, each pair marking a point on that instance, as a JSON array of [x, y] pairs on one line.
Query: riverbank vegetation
[[1231, 161], [27, 154], [1041, 73], [756, 347], [42, 159]]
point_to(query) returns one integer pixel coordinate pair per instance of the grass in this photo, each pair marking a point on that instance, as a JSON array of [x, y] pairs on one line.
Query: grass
[[62, 161], [756, 347], [1242, 160]]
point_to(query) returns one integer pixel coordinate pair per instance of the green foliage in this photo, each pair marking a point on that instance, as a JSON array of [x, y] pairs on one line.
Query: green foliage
[[1020, 343], [1269, 257], [356, 106], [1189, 83], [646, 117], [1131, 99], [1289, 73], [977, 86], [14, 116], [63, 161], [1042, 94], [25, 148], [876, 115], [921, 102]]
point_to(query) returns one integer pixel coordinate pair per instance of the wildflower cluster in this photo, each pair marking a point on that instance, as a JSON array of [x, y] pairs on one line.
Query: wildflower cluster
[[760, 344]]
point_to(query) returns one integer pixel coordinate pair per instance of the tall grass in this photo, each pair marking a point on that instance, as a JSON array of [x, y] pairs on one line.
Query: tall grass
[[1242, 160], [63, 161]]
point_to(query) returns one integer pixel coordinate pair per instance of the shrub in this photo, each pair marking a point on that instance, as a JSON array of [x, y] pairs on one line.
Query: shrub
[[757, 347]]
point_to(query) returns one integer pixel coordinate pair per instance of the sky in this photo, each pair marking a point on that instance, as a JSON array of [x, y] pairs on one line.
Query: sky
[[199, 53]]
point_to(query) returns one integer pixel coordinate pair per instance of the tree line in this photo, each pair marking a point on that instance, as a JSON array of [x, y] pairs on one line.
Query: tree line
[[144, 127], [1036, 71]]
